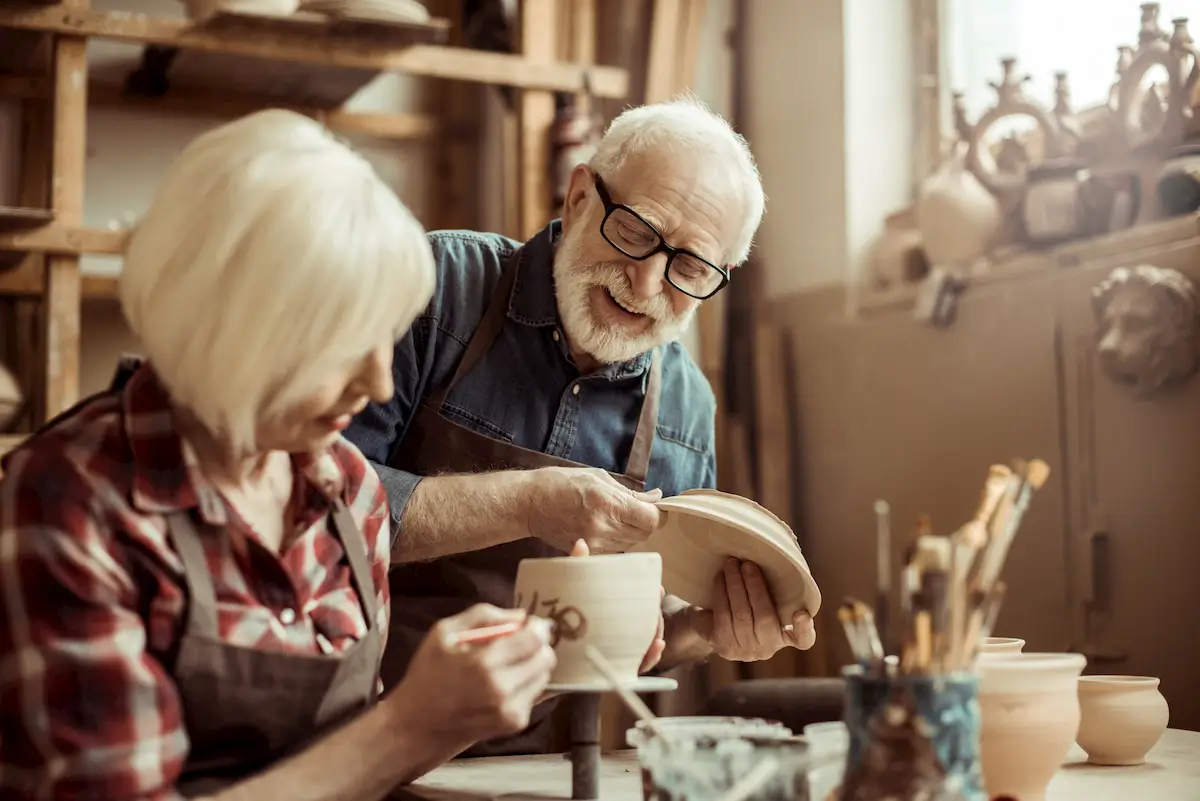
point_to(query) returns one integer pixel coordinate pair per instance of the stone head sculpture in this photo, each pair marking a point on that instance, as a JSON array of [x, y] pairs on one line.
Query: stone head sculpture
[[1146, 327]]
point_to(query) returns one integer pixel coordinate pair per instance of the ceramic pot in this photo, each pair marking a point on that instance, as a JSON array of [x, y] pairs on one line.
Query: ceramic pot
[[1121, 718], [1003, 645], [895, 257], [610, 601], [1029, 704], [957, 216]]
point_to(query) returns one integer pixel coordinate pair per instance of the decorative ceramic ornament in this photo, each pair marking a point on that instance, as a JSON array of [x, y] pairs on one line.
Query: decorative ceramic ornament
[[609, 601], [703, 528]]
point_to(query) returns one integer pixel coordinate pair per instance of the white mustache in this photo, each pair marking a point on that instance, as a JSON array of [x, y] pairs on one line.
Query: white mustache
[[613, 279]]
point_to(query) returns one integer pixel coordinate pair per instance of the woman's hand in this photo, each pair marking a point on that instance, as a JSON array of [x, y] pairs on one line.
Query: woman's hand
[[463, 694]]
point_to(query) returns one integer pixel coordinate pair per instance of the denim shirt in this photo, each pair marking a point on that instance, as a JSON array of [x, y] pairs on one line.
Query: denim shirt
[[521, 390]]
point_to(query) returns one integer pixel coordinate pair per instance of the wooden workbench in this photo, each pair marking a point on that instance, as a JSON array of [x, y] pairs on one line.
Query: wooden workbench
[[1171, 773]]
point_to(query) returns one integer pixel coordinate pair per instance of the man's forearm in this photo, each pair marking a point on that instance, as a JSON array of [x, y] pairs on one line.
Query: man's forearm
[[459, 513], [373, 754]]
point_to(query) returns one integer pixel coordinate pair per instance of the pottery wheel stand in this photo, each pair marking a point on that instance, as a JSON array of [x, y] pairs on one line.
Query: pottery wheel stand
[[584, 704]]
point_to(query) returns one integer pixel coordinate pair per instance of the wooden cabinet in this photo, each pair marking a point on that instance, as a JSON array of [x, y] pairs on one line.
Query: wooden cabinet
[[892, 408]]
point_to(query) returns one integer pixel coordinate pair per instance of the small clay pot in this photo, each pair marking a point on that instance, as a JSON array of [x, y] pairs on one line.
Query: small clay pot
[[1003, 645], [1029, 713], [1121, 718]]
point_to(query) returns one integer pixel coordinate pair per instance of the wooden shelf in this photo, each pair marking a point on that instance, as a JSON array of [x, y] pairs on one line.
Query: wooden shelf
[[25, 281], [20, 218], [339, 50]]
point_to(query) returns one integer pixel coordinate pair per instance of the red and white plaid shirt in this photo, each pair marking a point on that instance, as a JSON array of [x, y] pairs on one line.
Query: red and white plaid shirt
[[92, 595]]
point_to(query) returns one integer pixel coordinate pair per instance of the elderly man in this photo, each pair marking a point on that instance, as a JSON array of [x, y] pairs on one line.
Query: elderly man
[[543, 396]]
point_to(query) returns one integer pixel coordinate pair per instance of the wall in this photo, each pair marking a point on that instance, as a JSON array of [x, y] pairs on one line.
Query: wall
[[829, 116]]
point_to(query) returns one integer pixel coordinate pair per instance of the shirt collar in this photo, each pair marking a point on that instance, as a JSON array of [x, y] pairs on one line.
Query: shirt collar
[[166, 475], [533, 302]]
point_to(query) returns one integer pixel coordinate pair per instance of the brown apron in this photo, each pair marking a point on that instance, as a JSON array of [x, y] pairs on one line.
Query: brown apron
[[425, 592], [245, 709]]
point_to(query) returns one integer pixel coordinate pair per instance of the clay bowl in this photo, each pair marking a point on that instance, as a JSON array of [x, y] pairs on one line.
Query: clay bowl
[[703, 528], [1029, 716], [1003, 645], [1121, 718], [610, 601]]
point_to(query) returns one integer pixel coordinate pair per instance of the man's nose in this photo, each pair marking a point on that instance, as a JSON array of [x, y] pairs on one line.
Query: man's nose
[[646, 276], [377, 375]]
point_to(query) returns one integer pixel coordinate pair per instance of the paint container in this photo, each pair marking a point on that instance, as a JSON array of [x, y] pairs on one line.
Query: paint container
[[706, 756]]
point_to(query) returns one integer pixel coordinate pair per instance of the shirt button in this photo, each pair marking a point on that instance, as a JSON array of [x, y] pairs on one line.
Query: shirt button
[[287, 617], [575, 390], [555, 335]]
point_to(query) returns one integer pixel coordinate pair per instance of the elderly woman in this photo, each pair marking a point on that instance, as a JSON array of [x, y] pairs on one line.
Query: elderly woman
[[193, 565]]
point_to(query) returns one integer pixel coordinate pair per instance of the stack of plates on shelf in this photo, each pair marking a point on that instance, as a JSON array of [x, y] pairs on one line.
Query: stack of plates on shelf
[[396, 11], [198, 9], [703, 528]]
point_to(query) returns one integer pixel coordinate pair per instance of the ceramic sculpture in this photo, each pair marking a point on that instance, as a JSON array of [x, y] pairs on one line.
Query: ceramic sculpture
[[1121, 718]]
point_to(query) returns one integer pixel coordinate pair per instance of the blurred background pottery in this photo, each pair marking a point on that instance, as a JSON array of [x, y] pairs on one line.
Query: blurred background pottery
[[1029, 704], [610, 601], [199, 9], [1003, 645], [1121, 718]]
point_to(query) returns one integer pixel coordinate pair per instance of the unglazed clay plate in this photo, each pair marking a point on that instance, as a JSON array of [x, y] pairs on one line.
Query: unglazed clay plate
[[703, 528], [643, 684]]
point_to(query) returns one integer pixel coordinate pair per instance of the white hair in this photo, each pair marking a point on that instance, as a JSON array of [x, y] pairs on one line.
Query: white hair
[[686, 125], [271, 255]]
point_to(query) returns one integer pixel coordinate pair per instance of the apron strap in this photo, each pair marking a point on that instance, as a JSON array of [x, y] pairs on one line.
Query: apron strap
[[489, 328], [202, 598], [202, 611], [355, 546], [643, 438]]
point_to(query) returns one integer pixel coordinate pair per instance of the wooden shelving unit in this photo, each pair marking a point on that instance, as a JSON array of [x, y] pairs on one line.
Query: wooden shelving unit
[[227, 65]]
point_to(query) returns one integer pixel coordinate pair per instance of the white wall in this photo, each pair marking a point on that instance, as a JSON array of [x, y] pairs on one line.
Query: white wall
[[829, 115]]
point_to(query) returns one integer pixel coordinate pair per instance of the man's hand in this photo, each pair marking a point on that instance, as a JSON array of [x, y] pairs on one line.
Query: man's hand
[[744, 624], [658, 644], [568, 503]]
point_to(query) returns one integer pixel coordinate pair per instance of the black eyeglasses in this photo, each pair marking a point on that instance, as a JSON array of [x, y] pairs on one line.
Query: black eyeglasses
[[628, 232]]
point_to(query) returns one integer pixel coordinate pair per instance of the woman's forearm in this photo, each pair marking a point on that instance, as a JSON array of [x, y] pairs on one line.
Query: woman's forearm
[[362, 761]]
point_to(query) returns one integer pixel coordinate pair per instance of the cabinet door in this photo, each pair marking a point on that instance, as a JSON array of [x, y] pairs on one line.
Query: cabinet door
[[892, 408], [1134, 474]]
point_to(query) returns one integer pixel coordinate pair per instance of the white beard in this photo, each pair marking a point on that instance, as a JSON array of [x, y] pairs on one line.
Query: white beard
[[604, 341]]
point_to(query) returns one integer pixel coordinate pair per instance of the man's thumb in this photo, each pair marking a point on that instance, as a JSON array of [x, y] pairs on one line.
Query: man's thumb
[[580, 548]]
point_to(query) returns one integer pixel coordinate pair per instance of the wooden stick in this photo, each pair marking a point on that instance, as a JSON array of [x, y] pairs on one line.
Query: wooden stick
[[631, 700]]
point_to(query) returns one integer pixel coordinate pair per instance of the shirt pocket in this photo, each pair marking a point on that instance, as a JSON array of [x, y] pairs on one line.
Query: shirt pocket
[[476, 423]]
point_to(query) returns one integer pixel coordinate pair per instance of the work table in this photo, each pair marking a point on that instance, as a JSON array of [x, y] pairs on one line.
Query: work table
[[1172, 771]]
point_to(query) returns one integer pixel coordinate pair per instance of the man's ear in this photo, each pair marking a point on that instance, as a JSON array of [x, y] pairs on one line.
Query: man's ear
[[578, 186]]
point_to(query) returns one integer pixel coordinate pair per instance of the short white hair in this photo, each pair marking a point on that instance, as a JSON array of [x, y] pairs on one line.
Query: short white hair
[[271, 255], [686, 125]]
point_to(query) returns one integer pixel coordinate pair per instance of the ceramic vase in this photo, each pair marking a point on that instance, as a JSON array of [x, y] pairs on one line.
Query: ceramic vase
[[1029, 703], [1003, 645], [610, 601], [895, 257], [1121, 718], [957, 216]]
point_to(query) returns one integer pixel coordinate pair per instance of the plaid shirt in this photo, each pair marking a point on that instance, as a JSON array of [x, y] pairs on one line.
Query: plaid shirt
[[92, 594]]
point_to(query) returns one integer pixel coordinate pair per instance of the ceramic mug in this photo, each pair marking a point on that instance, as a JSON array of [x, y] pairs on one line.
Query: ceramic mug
[[610, 601]]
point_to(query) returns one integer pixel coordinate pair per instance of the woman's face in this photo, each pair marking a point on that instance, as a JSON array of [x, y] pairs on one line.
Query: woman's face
[[317, 420]]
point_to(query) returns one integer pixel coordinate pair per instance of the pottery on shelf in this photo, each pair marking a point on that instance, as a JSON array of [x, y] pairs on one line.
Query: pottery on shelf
[[610, 601], [957, 216], [198, 9], [1029, 709], [1121, 718], [1003, 645], [703, 528], [394, 11]]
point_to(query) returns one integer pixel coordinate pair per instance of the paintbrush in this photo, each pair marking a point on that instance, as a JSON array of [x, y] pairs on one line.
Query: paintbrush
[[966, 545], [848, 617], [631, 700], [932, 562], [1031, 478], [749, 785], [883, 567]]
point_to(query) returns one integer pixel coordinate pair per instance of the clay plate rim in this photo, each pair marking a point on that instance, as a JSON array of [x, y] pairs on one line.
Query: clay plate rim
[[808, 599], [644, 684]]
